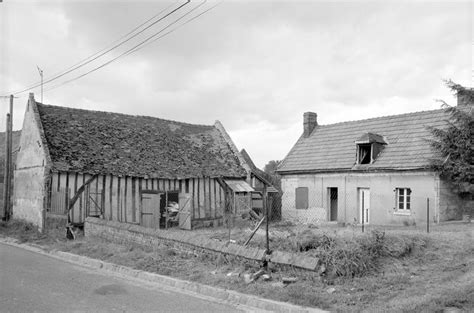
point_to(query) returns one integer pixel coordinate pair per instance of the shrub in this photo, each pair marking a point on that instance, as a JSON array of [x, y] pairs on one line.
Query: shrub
[[357, 255]]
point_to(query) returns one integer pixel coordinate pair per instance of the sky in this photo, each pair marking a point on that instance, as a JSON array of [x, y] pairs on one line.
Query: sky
[[256, 66]]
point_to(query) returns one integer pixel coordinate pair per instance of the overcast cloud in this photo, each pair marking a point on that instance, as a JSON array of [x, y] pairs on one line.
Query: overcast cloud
[[255, 66]]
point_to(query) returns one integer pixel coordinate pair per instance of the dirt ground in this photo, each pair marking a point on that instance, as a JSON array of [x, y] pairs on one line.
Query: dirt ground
[[435, 276]]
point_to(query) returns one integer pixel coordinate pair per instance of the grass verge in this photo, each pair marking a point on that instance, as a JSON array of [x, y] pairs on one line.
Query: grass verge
[[391, 271]]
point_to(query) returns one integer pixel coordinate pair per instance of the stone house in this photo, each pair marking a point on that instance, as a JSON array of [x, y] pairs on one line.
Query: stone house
[[79, 163], [371, 171]]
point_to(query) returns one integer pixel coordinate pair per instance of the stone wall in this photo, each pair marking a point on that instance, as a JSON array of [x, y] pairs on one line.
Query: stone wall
[[134, 234]]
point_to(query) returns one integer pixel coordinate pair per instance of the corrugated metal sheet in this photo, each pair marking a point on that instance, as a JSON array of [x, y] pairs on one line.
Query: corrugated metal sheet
[[238, 185]]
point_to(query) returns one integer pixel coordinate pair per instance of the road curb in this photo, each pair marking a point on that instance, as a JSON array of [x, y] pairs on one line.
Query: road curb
[[229, 296]]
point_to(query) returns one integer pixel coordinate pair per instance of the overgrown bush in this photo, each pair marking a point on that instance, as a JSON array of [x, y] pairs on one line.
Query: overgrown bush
[[356, 255]]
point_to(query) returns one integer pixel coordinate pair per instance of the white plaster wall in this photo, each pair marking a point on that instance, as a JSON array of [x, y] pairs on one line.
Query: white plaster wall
[[315, 213], [382, 200], [29, 174]]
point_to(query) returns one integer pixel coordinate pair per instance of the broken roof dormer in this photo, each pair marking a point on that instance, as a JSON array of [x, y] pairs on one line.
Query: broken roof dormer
[[369, 145], [369, 138]]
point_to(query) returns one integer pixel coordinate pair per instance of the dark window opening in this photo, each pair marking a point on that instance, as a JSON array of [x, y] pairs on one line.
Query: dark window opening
[[332, 204], [301, 198], [364, 154]]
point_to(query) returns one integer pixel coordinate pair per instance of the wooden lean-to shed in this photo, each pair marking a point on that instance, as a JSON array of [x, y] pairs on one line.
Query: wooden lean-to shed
[[121, 167]]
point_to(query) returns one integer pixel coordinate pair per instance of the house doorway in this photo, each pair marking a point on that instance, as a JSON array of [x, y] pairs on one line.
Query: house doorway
[[364, 205], [333, 200]]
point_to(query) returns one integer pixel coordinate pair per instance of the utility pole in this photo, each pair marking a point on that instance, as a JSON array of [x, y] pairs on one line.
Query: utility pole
[[7, 186], [41, 75]]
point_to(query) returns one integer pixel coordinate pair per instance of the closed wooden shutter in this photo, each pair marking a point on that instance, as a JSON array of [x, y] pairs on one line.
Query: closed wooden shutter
[[301, 196]]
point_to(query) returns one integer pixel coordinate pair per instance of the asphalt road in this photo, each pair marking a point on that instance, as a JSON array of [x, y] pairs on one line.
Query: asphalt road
[[31, 282]]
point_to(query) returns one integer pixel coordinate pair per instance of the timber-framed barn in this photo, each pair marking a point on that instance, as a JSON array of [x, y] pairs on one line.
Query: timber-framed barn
[[79, 163]]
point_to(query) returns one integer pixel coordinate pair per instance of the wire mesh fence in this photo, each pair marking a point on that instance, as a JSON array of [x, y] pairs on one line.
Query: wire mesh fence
[[362, 211]]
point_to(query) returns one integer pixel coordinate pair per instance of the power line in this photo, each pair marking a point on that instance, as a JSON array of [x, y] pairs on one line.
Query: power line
[[181, 25], [105, 48], [105, 52], [143, 43]]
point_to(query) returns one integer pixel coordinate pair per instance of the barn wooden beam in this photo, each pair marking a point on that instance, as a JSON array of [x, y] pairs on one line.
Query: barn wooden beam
[[79, 192]]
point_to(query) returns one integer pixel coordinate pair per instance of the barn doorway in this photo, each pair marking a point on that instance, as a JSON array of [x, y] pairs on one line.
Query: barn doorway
[[169, 209], [333, 203]]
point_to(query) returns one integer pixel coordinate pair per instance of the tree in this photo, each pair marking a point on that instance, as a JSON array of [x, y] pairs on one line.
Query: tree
[[271, 166], [270, 169], [454, 145]]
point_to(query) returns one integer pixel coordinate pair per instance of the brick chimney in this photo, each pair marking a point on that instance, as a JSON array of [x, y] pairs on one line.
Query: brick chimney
[[310, 121], [466, 97]]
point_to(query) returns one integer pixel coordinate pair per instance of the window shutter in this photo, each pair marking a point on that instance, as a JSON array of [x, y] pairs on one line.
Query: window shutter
[[301, 197]]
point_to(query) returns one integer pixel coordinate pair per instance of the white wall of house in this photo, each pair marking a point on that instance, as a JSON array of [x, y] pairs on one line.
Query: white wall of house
[[383, 200], [29, 173]]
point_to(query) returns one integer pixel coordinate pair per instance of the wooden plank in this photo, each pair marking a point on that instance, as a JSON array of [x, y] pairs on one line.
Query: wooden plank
[[119, 211], [81, 198], [86, 195], [125, 199], [111, 178], [195, 202], [205, 197], [71, 187], [198, 191], [134, 199], [209, 196], [96, 192], [140, 202], [213, 198], [58, 180], [202, 198], [102, 202]]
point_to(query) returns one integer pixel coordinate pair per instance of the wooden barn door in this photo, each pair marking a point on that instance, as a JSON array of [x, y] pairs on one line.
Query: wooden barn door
[[185, 210], [151, 209]]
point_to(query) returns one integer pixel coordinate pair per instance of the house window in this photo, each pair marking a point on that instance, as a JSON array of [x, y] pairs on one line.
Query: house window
[[403, 197], [301, 197], [364, 154]]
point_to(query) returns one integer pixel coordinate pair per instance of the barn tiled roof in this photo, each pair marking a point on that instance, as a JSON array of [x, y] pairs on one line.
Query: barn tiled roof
[[140, 146], [333, 148], [261, 175]]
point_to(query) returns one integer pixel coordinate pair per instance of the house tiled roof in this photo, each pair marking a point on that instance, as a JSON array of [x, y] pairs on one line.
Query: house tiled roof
[[333, 148], [140, 146]]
